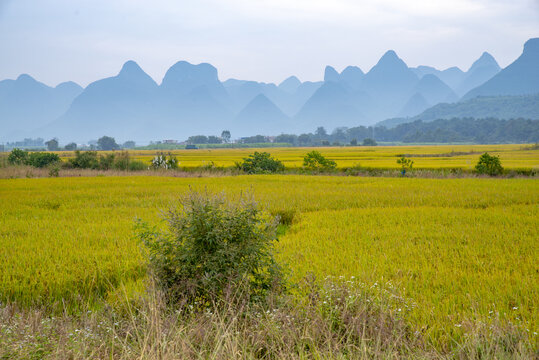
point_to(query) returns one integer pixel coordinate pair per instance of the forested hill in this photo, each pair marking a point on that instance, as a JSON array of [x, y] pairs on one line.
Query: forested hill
[[481, 131]]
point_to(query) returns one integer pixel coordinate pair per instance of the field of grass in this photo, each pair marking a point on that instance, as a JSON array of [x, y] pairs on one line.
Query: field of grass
[[457, 251], [425, 157]]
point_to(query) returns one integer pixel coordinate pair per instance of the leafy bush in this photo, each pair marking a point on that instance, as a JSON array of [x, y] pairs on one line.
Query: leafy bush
[[316, 161], [17, 157], [405, 163], [42, 159], [85, 160], [106, 162], [211, 245], [260, 163], [489, 164]]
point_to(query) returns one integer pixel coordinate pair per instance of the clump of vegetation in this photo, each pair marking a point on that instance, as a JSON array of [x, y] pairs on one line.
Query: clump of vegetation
[[118, 161], [489, 165], [260, 163], [35, 159], [315, 161], [406, 164], [211, 245], [162, 161], [369, 142]]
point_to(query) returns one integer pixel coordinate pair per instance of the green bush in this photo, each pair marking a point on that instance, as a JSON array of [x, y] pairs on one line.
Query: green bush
[[211, 245], [42, 159], [106, 162], [85, 160], [489, 165], [122, 160], [17, 157], [260, 163], [406, 164], [161, 161], [315, 161]]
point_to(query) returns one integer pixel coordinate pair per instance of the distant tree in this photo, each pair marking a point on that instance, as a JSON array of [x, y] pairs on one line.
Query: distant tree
[[52, 144], [369, 142], [257, 139], [321, 133], [225, 135], [129, 144], [71, 146], [489, 164], [198, 139], [286, 138], [353, 142], [304, 139], [107, 143], [214, 140], [316, 161]]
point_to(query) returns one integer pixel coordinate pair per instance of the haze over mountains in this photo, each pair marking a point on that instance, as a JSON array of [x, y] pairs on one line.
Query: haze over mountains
[[192, 100]]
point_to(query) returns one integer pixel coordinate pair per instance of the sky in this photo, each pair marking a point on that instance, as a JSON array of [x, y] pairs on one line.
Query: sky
[[262, 40]]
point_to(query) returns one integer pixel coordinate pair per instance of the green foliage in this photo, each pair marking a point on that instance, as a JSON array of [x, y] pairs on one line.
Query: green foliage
[[405, 163], [85, 160], [369, 142], [17, 157], [317, 162], [489, 165], [129, 144], [71, 146], [137, 165], [106, 162], [260, 163], [42, 159], [209, 246], [107, 143], [52, 145]]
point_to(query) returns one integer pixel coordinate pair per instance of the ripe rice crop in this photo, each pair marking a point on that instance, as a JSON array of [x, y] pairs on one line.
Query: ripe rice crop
[[458, 251], [425, 156]]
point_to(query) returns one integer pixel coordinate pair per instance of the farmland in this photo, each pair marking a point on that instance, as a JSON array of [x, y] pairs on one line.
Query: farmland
[[381, 157], [456, 251]]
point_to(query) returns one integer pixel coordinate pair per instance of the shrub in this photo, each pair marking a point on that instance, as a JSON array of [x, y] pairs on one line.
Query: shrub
[[42, 159], [317, 162], [209, 246], [260, 163], [161, 161], [489, 164], [17, 157], [405, 163], [106, 162], [85, 160], [122, 160]]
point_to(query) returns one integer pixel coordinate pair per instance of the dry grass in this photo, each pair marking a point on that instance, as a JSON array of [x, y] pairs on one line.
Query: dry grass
[[340, 320]]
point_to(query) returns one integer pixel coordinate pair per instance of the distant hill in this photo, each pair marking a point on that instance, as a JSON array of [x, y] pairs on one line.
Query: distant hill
[[519, 78], [501, 107], [260, 116], [481, 70], [27, 104]]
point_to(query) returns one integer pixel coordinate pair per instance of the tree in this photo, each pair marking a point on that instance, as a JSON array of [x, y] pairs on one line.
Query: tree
[[71, 146], [489, 164], [129, 144], [225, 135], [42, 159], [321, 133], [369, 142], [353, 142], [260, 163], [198, 139], [52, 144], [214, 140], [406, 164], [17, 157], [107, 143], [317, 162]]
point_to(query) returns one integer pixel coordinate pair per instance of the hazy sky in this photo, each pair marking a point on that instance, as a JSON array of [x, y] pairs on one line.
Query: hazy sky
[[264, 40]]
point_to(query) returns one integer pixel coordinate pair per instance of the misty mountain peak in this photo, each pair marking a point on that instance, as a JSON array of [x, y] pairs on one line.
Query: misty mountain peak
[[485, 60], [132, 72], [390, 58], [185, 72], [290, 84], [330, 74], [26, 78], [532, 46]]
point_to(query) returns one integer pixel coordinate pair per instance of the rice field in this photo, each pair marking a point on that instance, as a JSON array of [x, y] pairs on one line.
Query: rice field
[[454, 251], [513, 156]]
